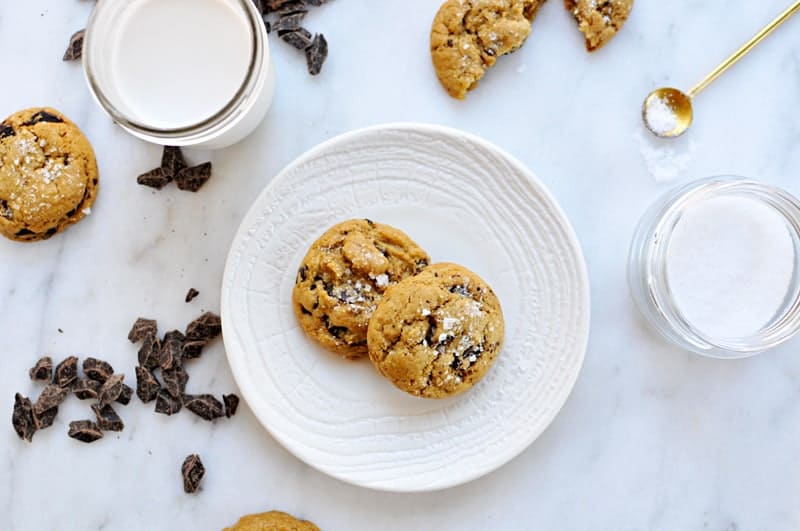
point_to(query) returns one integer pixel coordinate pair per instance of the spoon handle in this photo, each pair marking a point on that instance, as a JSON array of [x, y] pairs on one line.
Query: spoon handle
[[741, 52]]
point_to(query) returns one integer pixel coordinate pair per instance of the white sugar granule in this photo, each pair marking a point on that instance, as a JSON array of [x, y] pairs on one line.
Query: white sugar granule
[[660, 117], [382, 280], [449, 323]]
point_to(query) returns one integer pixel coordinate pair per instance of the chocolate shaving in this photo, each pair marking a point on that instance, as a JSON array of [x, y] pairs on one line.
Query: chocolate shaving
[[147, 386], [166, 404], [97, 369], [316, 54], [43, 370], [22, 418], [75, 47], [191, 294], [45, 419], [84, 389], [142, 328], [172, 161], [207, 326], [299, 38], [111, 389], [231, 404], [66, 372], [150, 352], [84, 431], [175, 380], [154, 178], [107, 418], [193, 471], [207, 407], [125, 395], [193, 178], [52, 396]]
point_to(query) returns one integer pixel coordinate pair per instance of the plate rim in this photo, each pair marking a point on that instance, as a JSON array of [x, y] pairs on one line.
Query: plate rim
[[572, 241]]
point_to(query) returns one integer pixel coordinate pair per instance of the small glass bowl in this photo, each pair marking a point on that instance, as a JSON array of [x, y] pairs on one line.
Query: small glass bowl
[[649, 283]]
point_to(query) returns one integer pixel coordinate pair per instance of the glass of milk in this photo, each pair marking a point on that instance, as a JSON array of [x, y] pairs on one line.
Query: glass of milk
[[715, 266], [180, 72]]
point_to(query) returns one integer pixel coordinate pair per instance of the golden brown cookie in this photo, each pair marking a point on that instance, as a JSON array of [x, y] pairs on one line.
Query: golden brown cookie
[[599, 20], [343, 276], [468, 36], [48, 174], [437, 333], [271, 521]]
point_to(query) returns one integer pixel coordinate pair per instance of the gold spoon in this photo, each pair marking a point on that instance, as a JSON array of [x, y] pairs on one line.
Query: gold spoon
[[662, 102]]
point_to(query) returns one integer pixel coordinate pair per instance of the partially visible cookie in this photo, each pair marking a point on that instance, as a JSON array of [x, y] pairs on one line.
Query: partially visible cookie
[[436, 334], [599, 20], [343, 276], [48, 174], [271, 521], [468, 36]]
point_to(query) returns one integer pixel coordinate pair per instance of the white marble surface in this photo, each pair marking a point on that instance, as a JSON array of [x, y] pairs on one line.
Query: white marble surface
[[651, 438]]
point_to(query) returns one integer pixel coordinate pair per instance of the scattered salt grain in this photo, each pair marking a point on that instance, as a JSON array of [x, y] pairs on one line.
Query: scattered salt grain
[[448, 323], [382, 280], [442, 338], [425, 312], [86, 211]]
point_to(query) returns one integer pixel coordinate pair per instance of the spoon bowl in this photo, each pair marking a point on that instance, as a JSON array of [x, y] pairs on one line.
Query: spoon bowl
[[667, 112]]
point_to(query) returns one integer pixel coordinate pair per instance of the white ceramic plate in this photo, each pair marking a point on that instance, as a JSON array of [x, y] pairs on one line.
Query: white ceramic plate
[[461, 199]]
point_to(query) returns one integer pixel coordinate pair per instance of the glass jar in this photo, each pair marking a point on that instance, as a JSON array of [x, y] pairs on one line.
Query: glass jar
[[226, 123], [694, 280]]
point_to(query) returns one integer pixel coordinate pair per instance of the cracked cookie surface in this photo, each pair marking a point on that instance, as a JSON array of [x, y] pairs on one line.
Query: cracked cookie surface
[[343, 277], [599, 20], [436, 334], [48, 174], [271, 521], [468, 36]]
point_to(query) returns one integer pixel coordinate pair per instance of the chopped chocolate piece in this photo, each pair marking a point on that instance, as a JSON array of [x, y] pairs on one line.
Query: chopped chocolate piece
[[45, 419], [97, 369], [299, 38], [107, 418], [289, 22], [147, 386], [316, 54], [207, 407], [191, 294], [192, 179], [75, 48], [22, 418], [155, 178], [207, 326], [125, 395], [171, 349], [172, 161], [51, 397], [193, 349], [84, 389], [175, 380], [84, 431], [43, 370], [316, 3], [266, 24], [6, 131], [193, 472], [142, 328], [166, 403], [111, 389], [66, 372], [231, 404], [150, 352], [44, 116]]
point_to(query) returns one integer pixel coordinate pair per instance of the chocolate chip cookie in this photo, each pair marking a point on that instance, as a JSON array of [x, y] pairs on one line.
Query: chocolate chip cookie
[[599, 20], [343, 277], [271, 521], [436, 334], [468, 36], [48, 174]]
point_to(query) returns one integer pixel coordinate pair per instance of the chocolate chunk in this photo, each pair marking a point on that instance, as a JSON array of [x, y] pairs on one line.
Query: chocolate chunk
[[150, 352], [172, 161], [97, 369], [316, 3], [22, 418], [193, 349], [6, 131], [84, 389], [289, 22], [274, 5], [192, 179], [299, 38], [51, 397], [75, 47], [45, 419], [231, 404], [171, 349], [175, 380], [154, 178], [207, 326], [66, 372], [44, 116], [207, 407], [193, 472], [142, 328], [111, 389], [316, 54], [84, 431], [107, 418], [191, 294], [147, 386], [43, 370], [125, 395], [167, 404]]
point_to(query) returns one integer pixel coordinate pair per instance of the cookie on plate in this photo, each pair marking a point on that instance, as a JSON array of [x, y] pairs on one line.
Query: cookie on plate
[[436, 334], [599, 20], [343, 276], [48, 174], [468, 36], [271, 521]]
